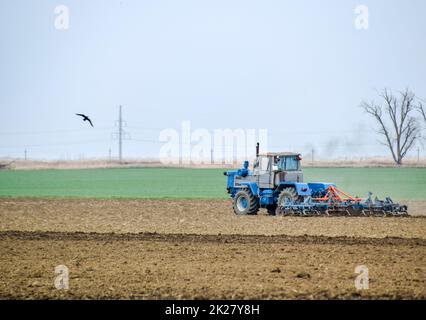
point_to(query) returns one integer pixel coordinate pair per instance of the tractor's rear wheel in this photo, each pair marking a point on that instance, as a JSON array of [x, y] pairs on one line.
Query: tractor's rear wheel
[[287, 194], [245, 203]]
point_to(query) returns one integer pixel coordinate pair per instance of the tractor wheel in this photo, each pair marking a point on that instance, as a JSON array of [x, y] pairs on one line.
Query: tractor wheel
[[287, 194], [245, 203]]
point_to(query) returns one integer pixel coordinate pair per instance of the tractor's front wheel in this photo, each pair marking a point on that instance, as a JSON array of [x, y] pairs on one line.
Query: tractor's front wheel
[[245, 203]]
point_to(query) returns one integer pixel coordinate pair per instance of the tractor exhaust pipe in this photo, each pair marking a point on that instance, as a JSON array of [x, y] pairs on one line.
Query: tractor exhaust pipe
[[257, 149]]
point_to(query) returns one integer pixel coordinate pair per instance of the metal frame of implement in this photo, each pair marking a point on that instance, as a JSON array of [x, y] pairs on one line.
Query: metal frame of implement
[[337, 202]]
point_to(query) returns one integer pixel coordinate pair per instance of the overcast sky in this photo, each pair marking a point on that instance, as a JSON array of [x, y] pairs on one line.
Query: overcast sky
[[296, 68]]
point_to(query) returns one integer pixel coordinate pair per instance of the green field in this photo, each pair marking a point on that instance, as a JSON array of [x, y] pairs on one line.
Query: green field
[[399, 183]]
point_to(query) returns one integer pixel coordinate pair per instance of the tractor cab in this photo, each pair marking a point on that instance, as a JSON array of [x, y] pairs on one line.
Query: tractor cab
[[282, 161], [273, 168]]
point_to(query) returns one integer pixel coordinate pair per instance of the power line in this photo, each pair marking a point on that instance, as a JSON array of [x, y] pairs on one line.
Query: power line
[[278, 131], [57, 144], [322, 144], [126, 136], [120, 134], [146, 128], [49, 131]]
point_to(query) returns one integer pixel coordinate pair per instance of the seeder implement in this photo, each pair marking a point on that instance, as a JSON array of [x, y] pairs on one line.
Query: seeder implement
[[338, 203]]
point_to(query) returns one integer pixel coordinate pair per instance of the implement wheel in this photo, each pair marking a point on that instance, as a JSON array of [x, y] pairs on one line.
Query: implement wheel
[[245, 203]]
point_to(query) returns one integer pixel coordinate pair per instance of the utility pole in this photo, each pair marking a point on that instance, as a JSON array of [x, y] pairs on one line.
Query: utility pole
[[109, 154], [211, 156], [25, 154], [120, 135], [418, 154], [312, 156]]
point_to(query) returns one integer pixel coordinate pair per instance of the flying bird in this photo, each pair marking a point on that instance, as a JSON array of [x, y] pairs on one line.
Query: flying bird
[[85, 118]]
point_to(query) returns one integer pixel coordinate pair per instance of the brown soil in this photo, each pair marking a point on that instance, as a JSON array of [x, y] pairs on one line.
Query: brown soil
[[150, 249], [190, 216]]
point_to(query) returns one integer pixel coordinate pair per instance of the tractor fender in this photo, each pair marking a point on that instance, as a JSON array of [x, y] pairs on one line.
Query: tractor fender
[[254, 188], [302, 189]]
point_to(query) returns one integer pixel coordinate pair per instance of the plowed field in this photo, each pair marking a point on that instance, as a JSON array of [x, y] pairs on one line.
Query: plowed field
[[156, 249]]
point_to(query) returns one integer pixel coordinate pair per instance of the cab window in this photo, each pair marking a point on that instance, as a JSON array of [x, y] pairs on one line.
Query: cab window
[[288, 164], [264, 163]]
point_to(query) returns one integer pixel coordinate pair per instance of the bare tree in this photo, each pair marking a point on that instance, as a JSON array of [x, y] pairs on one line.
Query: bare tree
[[396, 123], [422, 111]]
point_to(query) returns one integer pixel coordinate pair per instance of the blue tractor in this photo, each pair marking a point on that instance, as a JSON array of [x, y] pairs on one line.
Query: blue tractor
[[276, 184]]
